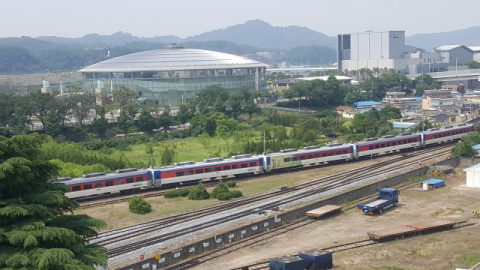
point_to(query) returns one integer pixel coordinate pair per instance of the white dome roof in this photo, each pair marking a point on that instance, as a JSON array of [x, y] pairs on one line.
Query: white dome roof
[[173, 59]]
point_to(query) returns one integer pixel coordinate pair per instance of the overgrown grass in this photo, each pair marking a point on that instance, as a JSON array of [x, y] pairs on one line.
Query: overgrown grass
[[469, 260], [392, 267], [419, 178]]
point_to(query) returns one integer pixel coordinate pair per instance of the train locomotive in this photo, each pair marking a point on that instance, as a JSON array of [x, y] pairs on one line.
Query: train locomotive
[[130, 180]]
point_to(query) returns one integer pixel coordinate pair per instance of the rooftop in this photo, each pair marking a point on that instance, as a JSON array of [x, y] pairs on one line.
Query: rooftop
[[451, 47], [366, 103], [433, 181], [173, 59]]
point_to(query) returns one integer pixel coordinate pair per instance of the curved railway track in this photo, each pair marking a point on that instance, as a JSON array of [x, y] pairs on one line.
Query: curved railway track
[[327, 183], [148, 193]]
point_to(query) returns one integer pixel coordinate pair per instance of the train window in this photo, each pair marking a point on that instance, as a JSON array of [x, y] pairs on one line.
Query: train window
[[377, 146], [189, 172], [180, 173], [394, 143], [345, 152], [208, 170], [129, 180], [404, 141], [226, 167], [89, 186], [236, 166], [388, 144], [338, 152], [76, 188], [324, 154], [330, 153], [244, 165], [139, 179], [109, 183], [316, 155], [383, 145], [199, 171], [217, 169], [287, 159], [302, 157], [119, 182], [252, 164], [98, 185], [370, 147], [410, 140], [294, 158], [309, 156]]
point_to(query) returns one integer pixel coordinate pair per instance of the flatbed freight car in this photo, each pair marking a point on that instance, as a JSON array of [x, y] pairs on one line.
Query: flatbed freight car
[[323, 211], [407, 230]]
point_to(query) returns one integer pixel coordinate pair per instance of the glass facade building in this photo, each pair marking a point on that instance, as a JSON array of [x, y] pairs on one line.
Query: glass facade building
[[173, 75]]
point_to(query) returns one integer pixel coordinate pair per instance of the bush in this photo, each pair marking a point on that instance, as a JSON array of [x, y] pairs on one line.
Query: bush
[[177, 193], [199, 193], [236, 194], [224, 196], [138, 205], [219, 189], [231, 184]]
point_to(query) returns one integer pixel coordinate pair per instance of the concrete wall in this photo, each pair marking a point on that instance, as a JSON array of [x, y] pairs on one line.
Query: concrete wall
[[266, 224]]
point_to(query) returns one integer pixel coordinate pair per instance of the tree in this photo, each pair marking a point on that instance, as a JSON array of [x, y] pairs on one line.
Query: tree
[[100, 123], [124, 122], [20, 122], [204, 139], [83, 105], [251, 108], [280, 133], [220, 188], [80, 131], [390, 112], [138, 205], [7, 108], [199, 193], [351, 98], [146, 121], [124, 96], [219, 105], [165, 120], [35, 232], [186, 112], [149, 149], [236, 104], [52, 124], [41, 104], [473, 64], [168, 156]]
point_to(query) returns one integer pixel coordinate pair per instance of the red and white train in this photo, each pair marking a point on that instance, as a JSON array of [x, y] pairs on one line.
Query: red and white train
[[130, 180]]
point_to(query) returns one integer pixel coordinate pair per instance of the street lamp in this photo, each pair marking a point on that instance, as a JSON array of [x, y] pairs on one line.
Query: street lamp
[[456, 66]]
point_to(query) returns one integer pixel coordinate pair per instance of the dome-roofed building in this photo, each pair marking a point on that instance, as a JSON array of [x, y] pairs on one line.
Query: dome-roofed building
[[174, 74]]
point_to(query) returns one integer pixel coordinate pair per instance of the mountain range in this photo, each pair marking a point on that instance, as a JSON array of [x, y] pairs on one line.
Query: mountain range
[[256, 33]]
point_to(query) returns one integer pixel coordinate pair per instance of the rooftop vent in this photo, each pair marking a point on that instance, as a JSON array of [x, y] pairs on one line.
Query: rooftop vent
[[126, 170], [213, 159], [64, 178], [333, 144], [406, 133], [388, 136], [241, 156], [288, 150], [432, 129], [174, 47], [370, 139], [461, 125], [93, 174], [447, 127], [311, 147], [184, 163]]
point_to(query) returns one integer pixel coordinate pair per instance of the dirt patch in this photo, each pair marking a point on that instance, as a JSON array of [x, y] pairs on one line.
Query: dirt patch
[[442, 250]]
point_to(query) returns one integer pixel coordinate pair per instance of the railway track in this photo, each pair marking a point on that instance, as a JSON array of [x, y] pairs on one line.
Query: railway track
[[146, 193], [328, 183], [256, 239]]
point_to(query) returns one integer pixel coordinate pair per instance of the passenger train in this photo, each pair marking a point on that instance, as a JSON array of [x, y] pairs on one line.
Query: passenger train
[[131, 180]]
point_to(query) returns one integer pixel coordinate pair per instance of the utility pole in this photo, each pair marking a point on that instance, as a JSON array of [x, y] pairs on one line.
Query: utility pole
[[371, 94], [264, 141]]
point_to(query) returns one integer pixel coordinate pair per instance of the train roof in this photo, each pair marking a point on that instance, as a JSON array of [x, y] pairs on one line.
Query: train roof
[[447, 128], [99, 176], [386, 138], [209, 162], [309, 149]]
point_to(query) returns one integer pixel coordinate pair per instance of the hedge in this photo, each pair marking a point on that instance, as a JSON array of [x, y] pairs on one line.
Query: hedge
[[231, 184], [176, 193]]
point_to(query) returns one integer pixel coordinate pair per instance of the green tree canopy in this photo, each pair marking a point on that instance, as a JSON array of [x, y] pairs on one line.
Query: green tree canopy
[[35, 233]]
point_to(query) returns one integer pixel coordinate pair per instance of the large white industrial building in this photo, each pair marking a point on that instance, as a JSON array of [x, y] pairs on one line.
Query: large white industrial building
[[387, 49]]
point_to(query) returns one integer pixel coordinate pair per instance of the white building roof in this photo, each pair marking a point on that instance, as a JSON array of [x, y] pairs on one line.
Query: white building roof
[[474, 48], [450, 47], [339, 78], [173, 59]]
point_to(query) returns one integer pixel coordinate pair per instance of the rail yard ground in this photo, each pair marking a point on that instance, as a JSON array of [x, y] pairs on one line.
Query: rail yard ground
[[441, 250], [118, 216]]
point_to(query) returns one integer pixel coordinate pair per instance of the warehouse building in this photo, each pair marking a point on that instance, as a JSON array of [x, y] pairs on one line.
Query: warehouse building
[[172, 75]]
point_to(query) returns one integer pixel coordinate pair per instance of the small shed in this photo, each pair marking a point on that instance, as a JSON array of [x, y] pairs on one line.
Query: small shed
[[432, 184], [473, 176]]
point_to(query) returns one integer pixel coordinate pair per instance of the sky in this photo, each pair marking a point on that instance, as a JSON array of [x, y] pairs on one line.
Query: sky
[[182, 18]]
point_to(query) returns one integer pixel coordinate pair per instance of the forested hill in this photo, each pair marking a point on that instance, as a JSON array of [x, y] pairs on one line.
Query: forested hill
[[29, 55]]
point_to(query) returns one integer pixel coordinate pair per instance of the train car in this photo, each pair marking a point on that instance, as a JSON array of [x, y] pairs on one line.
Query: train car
[[125, 181], [210, 168], [388, 143], [309, 155], [446, 133]]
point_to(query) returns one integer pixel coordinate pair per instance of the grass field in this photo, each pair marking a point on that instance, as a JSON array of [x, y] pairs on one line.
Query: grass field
[[37, 79]]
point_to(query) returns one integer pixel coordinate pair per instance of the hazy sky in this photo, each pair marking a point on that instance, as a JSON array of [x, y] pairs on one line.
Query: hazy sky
[[73, 18]]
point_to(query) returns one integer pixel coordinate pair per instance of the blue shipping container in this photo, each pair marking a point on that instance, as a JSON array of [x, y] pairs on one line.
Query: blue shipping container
[[287, 263], [317, 259]]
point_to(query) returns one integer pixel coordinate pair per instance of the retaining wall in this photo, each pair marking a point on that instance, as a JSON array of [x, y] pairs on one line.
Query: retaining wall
[[265, 224]]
